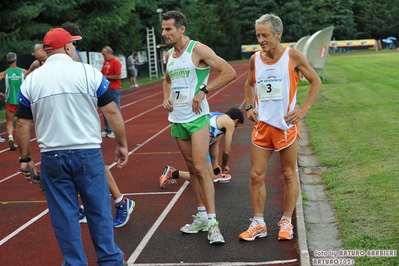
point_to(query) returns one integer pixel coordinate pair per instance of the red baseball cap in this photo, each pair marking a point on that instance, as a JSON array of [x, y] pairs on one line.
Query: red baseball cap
[[57, 38]]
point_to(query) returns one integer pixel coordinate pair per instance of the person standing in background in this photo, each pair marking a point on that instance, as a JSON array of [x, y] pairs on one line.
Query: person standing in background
[[40, 56], [132, 62], [14, 77], [112, 70]]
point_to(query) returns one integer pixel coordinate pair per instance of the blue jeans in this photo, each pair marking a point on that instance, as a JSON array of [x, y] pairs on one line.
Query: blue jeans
[[66, 173], [117, 100]]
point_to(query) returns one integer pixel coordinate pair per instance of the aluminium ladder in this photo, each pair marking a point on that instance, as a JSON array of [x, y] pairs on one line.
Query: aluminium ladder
[[152, 53]]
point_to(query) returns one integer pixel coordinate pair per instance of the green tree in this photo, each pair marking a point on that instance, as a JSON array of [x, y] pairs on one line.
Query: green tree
[[102, 22], [247, 12], [377, 20], [337, 13]]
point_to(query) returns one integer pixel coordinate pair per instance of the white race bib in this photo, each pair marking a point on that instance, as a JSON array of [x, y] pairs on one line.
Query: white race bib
[[270, 89], [180, 95]]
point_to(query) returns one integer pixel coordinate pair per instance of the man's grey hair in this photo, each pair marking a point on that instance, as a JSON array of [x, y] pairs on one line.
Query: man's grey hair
[[275, 22], [108, 49], [37, 47], [11, 57]]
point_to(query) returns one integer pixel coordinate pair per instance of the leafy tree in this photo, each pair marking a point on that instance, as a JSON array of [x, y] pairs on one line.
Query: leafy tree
[[337, 13], [102, 22], [250, 10], [295, 17], [377, 20]]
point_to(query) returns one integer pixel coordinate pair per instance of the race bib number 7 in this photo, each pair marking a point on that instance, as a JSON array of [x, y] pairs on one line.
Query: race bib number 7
[[180, 95], [270, 89]]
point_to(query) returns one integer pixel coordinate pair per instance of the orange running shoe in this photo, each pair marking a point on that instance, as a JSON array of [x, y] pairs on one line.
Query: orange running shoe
[[166, 177], [222, 178], [255, 230], [286, 232]]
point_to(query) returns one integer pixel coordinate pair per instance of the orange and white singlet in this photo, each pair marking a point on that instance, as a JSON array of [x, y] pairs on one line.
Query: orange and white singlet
[[276, 88]]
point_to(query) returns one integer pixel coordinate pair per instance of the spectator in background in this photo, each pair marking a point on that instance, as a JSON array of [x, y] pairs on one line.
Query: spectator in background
[[132, 62], [14, 77], [112, 70], [40, 56]]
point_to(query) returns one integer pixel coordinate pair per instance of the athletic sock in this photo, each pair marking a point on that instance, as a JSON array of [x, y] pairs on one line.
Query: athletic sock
[[202, 212], [216, 171], [286, 218], [211, 218], [260, 220], [175, 175], [118, 199]]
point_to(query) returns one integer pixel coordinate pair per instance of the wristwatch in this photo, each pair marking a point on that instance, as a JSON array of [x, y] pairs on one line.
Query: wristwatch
[[25, 160], [248, 107], [203, 88]]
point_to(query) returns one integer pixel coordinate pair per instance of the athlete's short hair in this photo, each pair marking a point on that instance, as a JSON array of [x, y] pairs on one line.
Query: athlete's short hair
[[236, 113], [72, 28], [275, 22], [180, 19], [11, 57]]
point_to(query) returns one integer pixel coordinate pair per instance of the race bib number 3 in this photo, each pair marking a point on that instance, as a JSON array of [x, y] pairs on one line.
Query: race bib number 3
[[180, 95], [270, 89]]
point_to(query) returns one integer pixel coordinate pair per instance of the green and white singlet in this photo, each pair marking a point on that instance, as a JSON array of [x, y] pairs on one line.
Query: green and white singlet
[[186, 79]]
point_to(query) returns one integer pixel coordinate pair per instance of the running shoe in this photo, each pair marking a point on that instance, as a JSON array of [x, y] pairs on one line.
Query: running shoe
[[222, 178], [111, 135], [286, 230], [166, 177], [12, 145], [255, 230], [82, 215], [123, 211], [214, 234], [197, 225], [104, 134], [2, 139]]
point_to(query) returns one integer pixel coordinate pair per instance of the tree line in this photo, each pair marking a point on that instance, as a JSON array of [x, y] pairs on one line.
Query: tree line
[[228, 23]]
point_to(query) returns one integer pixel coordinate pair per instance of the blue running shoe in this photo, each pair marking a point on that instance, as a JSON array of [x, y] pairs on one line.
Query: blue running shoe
[[82, 215], [123, 211]]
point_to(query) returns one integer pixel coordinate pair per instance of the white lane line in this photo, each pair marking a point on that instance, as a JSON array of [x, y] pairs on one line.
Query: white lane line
[[31, 221], [155, 226]]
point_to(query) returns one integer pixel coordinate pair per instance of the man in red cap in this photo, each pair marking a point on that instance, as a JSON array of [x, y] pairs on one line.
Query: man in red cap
[[62, 98]]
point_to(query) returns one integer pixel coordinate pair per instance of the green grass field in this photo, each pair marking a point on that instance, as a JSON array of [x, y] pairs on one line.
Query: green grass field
[[354, 129]]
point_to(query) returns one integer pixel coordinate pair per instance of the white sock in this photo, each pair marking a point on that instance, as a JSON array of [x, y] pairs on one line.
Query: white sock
[[202, 212], [118, 199], [286, 218], [260, 220], [10, 137], [211, 218]]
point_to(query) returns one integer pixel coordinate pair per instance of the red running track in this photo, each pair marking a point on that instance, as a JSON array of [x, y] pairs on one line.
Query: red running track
[[152, 235]]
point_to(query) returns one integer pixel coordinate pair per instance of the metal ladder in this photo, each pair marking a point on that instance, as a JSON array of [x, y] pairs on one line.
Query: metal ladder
[[152, 53]]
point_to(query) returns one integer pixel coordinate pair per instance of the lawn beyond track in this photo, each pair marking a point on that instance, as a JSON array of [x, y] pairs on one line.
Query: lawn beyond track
[[354, 129]]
